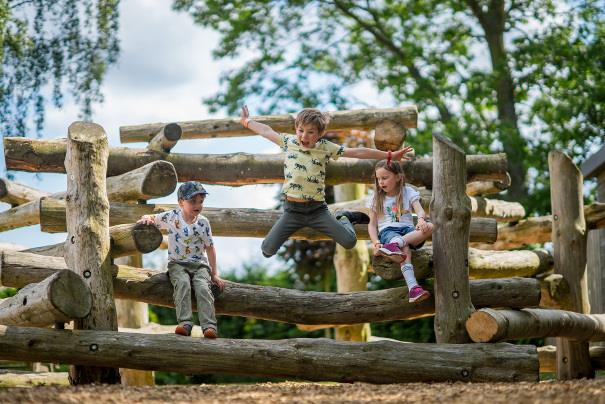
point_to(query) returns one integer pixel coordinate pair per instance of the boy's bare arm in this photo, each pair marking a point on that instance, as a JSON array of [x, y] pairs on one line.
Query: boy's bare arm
[[259, 128], [367, 153]]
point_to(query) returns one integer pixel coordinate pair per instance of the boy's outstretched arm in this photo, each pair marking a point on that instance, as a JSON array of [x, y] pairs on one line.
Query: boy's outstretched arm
[[259, 128], [211, 252], [367, 153]]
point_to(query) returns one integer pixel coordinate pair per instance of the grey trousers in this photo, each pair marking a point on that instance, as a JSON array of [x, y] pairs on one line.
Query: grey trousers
[[183, 277], [308, 214]]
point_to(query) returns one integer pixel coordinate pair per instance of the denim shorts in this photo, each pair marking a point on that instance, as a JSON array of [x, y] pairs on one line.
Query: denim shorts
[[393, 231]]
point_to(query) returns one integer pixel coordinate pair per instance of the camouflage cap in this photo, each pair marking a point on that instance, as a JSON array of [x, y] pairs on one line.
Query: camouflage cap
[[190, 189]]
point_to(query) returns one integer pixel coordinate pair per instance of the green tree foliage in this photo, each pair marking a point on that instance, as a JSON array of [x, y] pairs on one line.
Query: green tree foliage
[[53, 47], [518, 76]]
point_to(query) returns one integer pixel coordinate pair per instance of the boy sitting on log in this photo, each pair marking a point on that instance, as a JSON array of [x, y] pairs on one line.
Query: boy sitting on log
[[189, 240], [307, 155]]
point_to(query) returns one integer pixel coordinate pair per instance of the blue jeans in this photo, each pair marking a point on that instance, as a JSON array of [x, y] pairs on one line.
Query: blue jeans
[[388, 233]]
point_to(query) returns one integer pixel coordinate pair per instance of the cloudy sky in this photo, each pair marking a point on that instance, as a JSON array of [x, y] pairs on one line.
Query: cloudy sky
[[164, 71]]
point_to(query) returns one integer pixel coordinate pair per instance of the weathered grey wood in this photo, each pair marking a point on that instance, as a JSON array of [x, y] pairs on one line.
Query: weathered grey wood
[[362, 119], [389, 135], [569, 246], [228, 222], [596, 258], [451, 213], [126, 239], [488, 325], [483, 264], [87, 246], [308, 359], [17, 194], [548, 358], [60, 298], [478, 188], [166, 138], [278, 304], [234, 169], [23, 215]]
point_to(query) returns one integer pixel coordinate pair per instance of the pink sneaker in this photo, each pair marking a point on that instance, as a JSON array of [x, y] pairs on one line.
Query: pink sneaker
[[417, 294], [393, 252]]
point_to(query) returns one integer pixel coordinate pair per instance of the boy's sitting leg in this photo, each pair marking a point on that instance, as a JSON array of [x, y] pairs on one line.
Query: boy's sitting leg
[[205, 301], [182, 298]]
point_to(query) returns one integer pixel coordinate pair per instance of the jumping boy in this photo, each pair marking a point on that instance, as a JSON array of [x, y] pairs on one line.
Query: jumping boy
[[306, 157]]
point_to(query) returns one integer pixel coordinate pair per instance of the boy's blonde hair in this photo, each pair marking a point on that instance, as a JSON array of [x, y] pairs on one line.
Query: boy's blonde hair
[[379, 195], [312, 116]]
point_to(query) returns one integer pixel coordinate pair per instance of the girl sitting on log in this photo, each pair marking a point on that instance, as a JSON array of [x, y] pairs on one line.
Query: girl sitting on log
[[391, 226]]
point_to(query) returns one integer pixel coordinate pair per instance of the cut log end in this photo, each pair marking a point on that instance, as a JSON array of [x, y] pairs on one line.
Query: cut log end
[[389, 135], [86, 132], [481, 326], [173, 132], [147, 238], [70, 294], [161, 180]]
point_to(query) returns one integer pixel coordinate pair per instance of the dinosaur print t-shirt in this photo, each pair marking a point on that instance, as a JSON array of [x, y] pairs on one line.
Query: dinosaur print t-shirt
[[393, 215], [186, 242], [305, 169]]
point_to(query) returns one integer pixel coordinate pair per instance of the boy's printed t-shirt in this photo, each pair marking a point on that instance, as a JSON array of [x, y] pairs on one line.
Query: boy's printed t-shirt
[[392, 216], [186, 242], [305, 169]]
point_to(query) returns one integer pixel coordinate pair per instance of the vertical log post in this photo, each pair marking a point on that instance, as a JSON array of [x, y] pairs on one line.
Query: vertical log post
[[351, 268], [87, 245], [451, 214], [569, 244]]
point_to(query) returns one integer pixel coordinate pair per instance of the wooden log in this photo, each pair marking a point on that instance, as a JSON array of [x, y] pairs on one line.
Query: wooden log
[[27, 214], [166, 138], [389, 135], [87, 246], [126, 239], [227, 222], [234, 169], [451, 213], [488, 325], [16, 194], [15, 378], [60, 298], [278, 304], [569, 246], [478, 188], [308, 359], [555, 292], [547, 356], [361, 119], [537, 230], [482, 264]]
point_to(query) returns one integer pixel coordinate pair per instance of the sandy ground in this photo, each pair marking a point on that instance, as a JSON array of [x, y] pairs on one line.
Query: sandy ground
[[578, 391]]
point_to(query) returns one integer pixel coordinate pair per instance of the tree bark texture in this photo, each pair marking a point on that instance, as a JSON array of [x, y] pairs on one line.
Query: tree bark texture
[[361, 119], [60, 298], [595, 260], [227, 222], [308, 359], [278, 304], [451, 214], [482, 264], [16, 194], [166, 138], [569, 246], [234, 169], [87, 246], [488, 325], [27, 214]]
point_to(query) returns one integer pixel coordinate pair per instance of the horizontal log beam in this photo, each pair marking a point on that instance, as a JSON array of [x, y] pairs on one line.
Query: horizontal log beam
[[234, 169], [547, 356], [15, 378], [488, 325], [27, 214], [537, 230], [478, 188], [308, 359], [278, 304], [482, 264], [16, 194], [227, 222], [361, 119], [60, 298], [126, 239]]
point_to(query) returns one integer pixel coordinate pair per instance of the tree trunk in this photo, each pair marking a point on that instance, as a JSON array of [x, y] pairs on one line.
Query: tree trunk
[[126, 239], [488, 325], [235, 169], [451, 214], [87, 246], [278, 304], [351, 268], [482, 264], [361, 119], [307, 359], [60, 298], [165, 139], [596, 258], [569, 246], [16, 194]]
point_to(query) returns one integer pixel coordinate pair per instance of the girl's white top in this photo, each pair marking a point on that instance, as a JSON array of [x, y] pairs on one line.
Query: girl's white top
[[392, 215]]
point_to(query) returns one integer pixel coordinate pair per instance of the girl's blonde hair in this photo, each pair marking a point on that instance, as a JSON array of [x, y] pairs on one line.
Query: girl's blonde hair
[[379, 195]]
